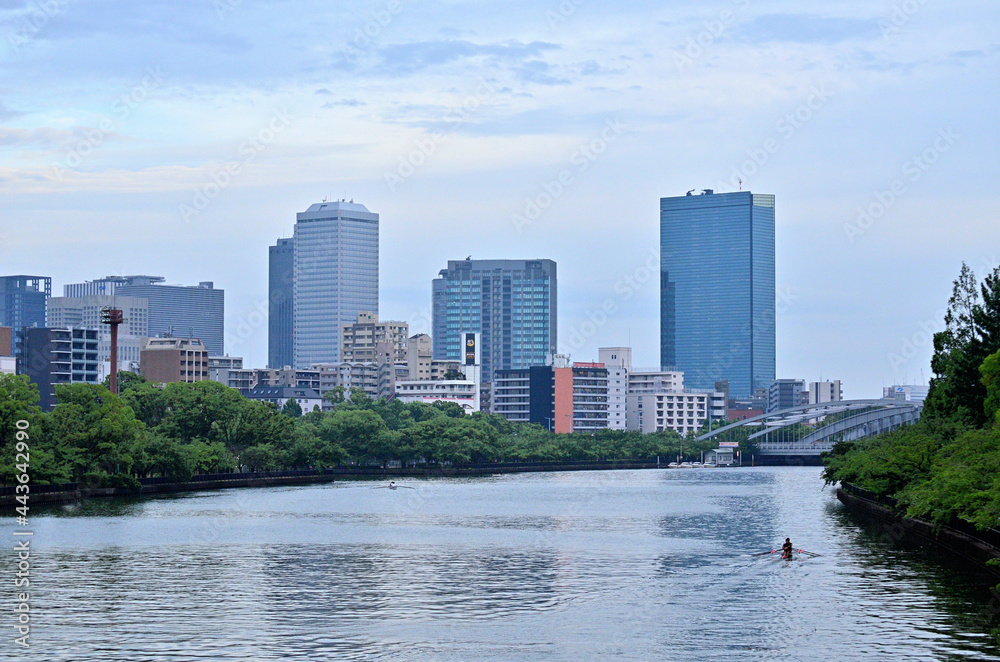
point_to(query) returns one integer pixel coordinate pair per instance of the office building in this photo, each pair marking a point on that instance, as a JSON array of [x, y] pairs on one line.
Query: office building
[[618, 361], [787, 393], [84, 312], [167, 360], [22, 302], [280, 311], [683, 412], [560, 396], [58, 356], [820, 392], [99, 287], [906, 392], [717, 289], [512, 303], [196, 311], [335, 276], [421, 364], [179, 311], [376, 380], [359, 339]]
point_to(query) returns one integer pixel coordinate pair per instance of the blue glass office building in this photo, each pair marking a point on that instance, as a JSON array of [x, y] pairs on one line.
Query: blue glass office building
[[335, 258], [280, 320], [717, 289], [512, 303]]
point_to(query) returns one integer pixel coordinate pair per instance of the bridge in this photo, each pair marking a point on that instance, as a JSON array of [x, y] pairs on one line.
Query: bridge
[[806, 431]]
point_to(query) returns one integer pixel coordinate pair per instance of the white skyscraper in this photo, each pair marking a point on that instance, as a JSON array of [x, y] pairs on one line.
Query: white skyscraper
[[336, 276]]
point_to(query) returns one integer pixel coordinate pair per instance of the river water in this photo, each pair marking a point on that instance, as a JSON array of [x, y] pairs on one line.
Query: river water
[[617, 565]]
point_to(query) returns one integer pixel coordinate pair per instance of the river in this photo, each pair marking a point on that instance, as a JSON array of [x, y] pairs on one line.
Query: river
[[615, 565]]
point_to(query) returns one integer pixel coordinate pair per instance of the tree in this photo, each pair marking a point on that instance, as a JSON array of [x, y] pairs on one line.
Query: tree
[[292, 408], [453, 374], [100, 433], [958, 319], [195, 409], [164, 457], [957, 392], [990, 371], [335, 396], [451, 409], [126, 380], [357, 430], [146, 400], [19, 402]]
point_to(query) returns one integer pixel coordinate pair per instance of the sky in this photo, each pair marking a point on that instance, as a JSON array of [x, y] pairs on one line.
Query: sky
[[180, 139]]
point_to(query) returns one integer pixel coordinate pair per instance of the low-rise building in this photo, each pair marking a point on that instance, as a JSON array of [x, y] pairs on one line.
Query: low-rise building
[[463, 392], [306, 398], [6, 341], [58, 356], [168, 360], [420, 361], [820, 392], [906, 392], [681, 411], [359, 340], [561, 397], [787, 393]]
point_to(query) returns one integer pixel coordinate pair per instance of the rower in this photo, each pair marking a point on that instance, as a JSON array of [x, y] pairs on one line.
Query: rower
[[392, 484], [786, 549]]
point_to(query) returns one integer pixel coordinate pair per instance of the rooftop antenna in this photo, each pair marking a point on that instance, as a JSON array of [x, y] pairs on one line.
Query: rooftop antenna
[[740, 181]]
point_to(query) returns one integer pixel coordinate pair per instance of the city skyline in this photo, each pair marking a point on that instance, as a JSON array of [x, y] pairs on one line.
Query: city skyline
[[541, 131]]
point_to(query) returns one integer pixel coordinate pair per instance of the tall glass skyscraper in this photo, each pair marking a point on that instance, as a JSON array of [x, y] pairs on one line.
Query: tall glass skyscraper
[[717, 289], [336, 276], [280, 320], [512, 303]]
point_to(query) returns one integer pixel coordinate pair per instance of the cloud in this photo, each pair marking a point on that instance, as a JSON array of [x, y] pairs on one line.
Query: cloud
[[413, 57], [806, 29], [322, 90], [344, 102], [6, 113], [41, 138]]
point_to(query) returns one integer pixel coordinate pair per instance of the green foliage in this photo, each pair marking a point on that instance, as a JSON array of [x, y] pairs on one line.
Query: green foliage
[[990, 370], [957, 391], [964, 482], [948, 465], [126, 380], [292, 408], [184, 429]]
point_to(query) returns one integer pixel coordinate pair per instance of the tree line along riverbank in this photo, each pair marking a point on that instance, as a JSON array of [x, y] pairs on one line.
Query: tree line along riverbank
[[96, 439], [940, 478], [946, 467]]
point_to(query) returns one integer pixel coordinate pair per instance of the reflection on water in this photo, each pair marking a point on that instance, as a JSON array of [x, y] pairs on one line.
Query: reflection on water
[[636, 565]]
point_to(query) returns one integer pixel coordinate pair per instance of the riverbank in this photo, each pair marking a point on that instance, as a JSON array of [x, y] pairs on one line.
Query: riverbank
[[151, 486], [959, 538]]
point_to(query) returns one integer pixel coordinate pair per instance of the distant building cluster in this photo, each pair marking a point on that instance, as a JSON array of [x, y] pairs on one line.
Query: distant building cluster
[[493, 345]]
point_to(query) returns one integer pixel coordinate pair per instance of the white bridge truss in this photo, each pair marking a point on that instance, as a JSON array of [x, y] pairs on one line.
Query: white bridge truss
[[778, 432]]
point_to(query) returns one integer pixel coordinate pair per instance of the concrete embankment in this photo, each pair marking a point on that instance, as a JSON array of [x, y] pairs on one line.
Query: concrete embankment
[[152, 486], [959, 538]]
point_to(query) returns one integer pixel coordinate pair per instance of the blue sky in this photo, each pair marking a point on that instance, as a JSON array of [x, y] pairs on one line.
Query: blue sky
[[180, 139]]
